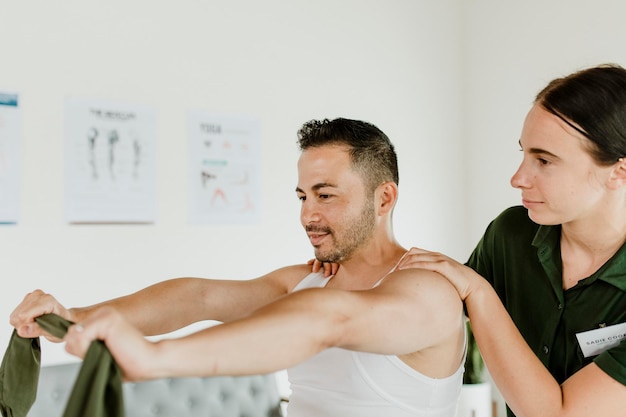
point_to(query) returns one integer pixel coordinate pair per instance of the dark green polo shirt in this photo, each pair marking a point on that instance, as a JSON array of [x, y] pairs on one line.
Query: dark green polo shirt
[[522, 260]]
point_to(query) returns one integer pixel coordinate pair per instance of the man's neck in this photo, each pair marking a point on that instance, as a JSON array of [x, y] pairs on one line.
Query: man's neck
[[365, 268]]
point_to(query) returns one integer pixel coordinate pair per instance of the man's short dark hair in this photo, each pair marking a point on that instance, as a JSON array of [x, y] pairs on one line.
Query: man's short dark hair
[[372, 153]]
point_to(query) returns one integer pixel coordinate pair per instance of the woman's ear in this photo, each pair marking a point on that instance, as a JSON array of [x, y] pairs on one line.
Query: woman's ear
[[386, 196], [618, 174]]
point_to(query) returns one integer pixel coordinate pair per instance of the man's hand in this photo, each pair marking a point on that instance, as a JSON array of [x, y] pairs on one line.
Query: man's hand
[[329, 268], [133, 353], [35, 304]]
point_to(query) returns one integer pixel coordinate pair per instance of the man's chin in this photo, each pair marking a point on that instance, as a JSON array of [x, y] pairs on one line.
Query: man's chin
[[326, 257], [329, 258]]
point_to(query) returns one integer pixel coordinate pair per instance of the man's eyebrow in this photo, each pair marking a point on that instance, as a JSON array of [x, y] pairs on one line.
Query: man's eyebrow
[[317, 187], [538, 151]]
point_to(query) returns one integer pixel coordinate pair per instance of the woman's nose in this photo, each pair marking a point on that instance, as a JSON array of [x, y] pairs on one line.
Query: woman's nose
[[519, 179]]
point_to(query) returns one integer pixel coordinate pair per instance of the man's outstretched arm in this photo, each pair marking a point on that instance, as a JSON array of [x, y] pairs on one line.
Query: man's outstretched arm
[[168, 305], [410, 311]]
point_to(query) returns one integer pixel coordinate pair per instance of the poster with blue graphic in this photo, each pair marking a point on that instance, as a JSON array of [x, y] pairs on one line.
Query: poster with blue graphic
[[10, 157]]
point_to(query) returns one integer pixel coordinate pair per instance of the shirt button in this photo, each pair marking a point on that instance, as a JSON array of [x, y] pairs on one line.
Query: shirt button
[[546, 349], [560, 307]]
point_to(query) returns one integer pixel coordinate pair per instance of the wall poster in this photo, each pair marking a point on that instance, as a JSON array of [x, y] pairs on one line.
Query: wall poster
[[224, 169], [110, 162], [10, 157]]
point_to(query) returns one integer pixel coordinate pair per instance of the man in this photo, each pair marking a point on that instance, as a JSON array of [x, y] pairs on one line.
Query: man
[[368, 341]]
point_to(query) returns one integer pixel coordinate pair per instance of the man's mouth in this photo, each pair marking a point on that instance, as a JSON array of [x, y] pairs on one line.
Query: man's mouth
[[316, 238], [317, 235]]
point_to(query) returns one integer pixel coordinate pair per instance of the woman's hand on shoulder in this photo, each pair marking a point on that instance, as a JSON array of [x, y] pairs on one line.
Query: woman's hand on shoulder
[[462, 277]]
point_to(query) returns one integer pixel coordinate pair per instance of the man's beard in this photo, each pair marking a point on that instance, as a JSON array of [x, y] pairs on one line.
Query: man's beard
[[355, 233]]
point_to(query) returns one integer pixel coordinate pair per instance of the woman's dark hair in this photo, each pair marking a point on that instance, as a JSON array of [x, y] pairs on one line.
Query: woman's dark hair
[[371, 151], [592, 101]]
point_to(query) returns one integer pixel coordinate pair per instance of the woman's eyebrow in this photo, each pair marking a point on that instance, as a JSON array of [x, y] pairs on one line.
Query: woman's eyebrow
[[539, 151]]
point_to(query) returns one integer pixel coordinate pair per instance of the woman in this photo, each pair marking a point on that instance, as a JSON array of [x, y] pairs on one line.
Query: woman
[[545, 289]]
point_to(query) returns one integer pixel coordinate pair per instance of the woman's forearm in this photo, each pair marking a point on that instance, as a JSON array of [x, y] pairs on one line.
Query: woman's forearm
[[527, 386]]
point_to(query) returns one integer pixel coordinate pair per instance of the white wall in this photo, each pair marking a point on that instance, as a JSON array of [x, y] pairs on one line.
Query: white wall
[[395, 63], [512, 50]]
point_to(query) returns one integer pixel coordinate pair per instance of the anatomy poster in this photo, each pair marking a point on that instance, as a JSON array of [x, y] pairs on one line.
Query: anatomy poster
[[10, 138], [110, 162], [224, 169]]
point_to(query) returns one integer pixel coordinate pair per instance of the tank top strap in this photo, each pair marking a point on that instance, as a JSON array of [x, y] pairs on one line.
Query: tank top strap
[[392, 269], [313, 280]]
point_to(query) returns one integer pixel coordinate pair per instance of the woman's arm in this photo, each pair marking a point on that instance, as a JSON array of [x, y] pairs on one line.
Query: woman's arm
[[526, 385]]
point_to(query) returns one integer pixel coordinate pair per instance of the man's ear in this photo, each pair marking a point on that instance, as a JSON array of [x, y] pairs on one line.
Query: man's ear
[[386, 197], [618, 174]]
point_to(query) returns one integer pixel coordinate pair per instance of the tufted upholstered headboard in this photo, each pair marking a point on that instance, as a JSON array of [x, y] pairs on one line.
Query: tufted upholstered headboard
[[243, 396]]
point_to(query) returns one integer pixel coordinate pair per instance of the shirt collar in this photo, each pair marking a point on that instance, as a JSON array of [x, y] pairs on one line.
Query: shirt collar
[[613, 271]]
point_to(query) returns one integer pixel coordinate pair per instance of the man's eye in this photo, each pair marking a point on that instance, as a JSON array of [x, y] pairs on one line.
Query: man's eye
[[324, 196], [301, 197], [543, 161]]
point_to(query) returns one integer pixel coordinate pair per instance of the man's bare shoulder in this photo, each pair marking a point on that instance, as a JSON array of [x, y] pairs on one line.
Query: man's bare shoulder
[[288, 276], [424, 284]]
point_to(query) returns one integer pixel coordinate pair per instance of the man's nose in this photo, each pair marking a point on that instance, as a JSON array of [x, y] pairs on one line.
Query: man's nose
[[309, 212]]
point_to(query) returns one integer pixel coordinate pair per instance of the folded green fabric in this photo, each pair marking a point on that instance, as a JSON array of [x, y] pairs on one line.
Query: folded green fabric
[[19, 374], [97, 391], [55, 325]]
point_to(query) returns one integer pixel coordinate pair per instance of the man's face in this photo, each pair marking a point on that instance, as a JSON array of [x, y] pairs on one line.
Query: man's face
[[337, 212]]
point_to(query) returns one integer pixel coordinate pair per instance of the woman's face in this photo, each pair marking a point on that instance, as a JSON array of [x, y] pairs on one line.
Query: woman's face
[[559, 180]]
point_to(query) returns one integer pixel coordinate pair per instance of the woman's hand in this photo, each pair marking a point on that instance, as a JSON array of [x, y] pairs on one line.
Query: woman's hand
[[329, 268], [462, 277]]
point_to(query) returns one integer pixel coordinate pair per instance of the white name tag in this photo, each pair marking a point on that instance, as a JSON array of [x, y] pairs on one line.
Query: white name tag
[[594, 342]]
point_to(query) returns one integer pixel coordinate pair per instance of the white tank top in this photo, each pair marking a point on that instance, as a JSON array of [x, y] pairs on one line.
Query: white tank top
[[344, 383]]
